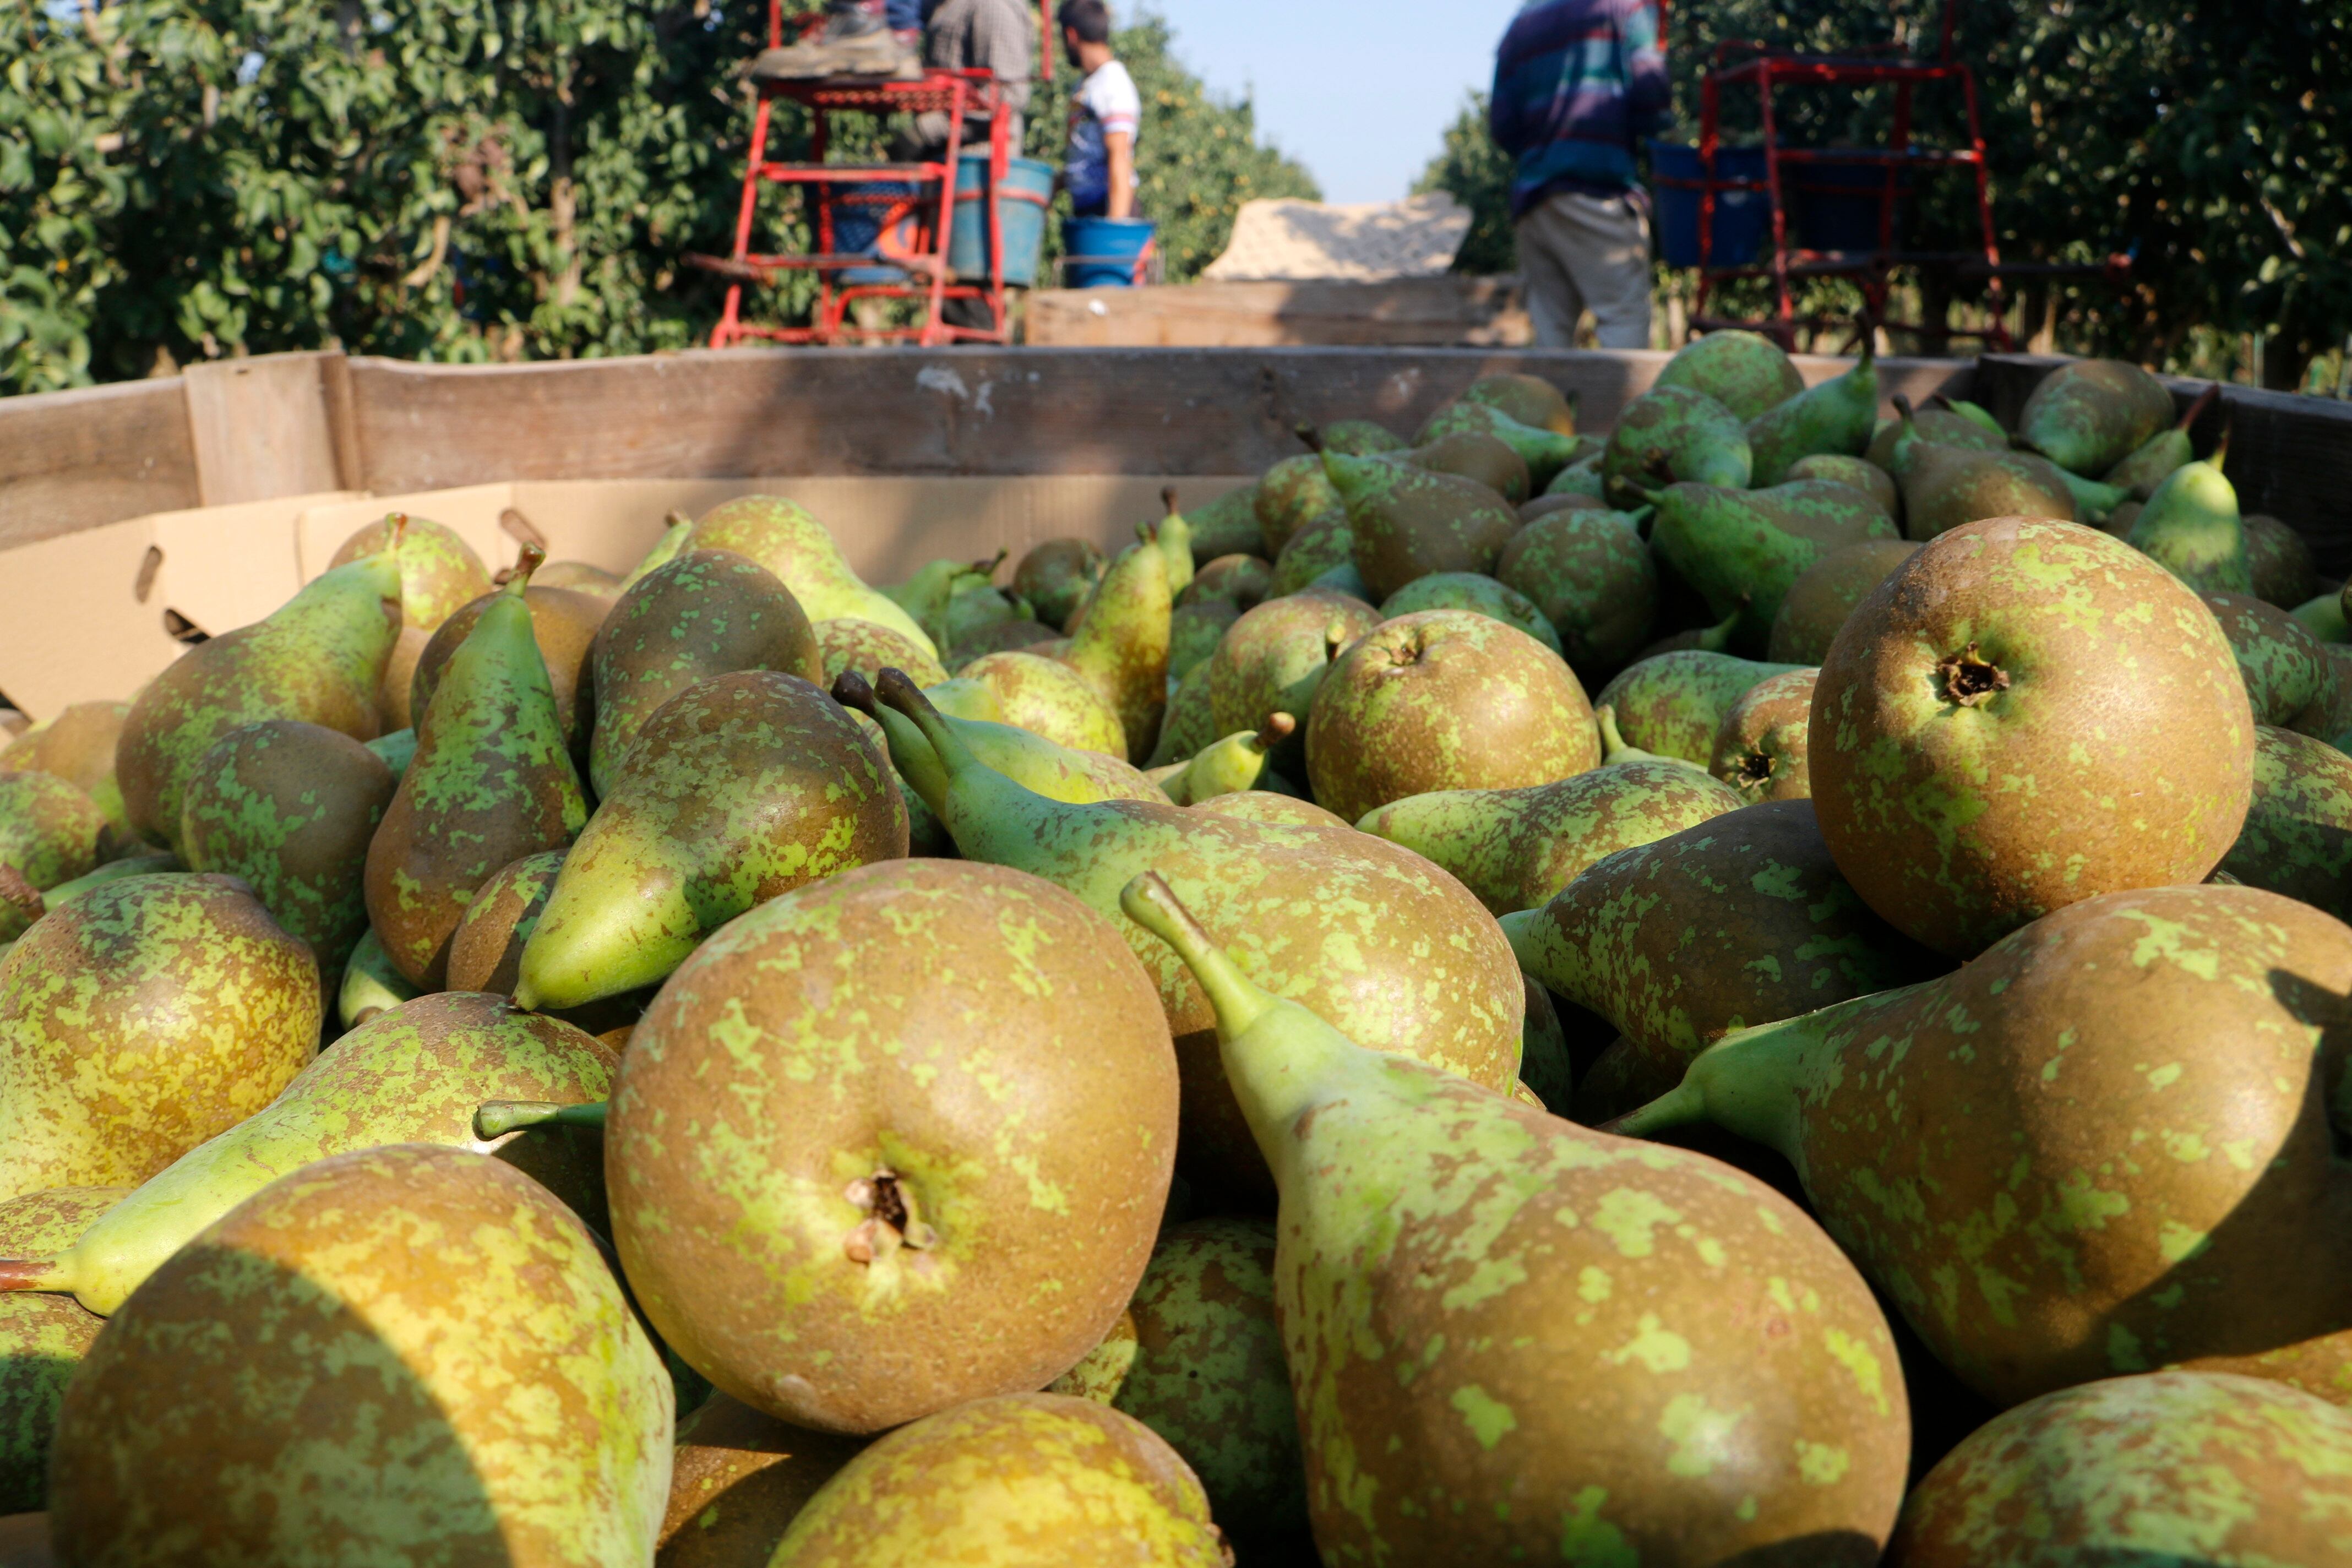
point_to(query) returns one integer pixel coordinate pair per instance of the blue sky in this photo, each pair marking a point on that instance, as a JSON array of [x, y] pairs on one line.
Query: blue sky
[[1359, 91]]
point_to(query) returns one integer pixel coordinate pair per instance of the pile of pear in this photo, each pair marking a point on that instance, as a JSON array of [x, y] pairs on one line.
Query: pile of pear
[[1763, 986]]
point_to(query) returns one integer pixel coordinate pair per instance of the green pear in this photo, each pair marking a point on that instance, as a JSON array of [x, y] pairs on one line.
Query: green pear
[[1274, 657], [412, 1074], [677, 529], [1190, 723], [1291, 494], [141, 1019], [1372, 935], [395, 751], [564, 624], [1479, 595], [1516, 848], [1048, 697], [1407, 522], [708, 612], [1225, 526], [78, 746], [415, 1348], [926, 593], [1671, 434], [1591, 577], [2087, 416], [2277, 556], [1892, 445], [1616, 753], [741, 788], [2190, 526], [1824, 594], [1056, 577], [1195, 630], [1120, 648], [1544, 452], [794, 547], [1835, 417], [493, 780], [1172, 536], [2094, 502], [319, 657], [1672, 704], [1860, 473], [1530, 399], [43, 1339], [1225, 767], [1356, 437], [369, 983], [2291, 681], [1742, 549], [290, 809], [439, 574], [1583, 479], [1242, 581], [1032, 760], [161, 864], [1474, 455], [2323, 617], [51, 834], [1666, 1352], [849, 643], [1762, 748], [1747, 373], [2297, 840], [2191, 1018], [1324, 542], [1944, 488]]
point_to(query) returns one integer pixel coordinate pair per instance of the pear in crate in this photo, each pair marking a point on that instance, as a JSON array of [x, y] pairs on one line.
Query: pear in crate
[[782, 536], [42, 1338]]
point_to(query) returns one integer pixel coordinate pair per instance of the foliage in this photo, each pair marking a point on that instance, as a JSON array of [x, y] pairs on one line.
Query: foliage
[[1473, 171], [492, 179]]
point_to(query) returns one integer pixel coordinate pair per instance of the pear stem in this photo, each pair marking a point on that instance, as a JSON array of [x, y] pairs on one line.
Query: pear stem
[[497, 1118], [1309, 436], [33, 1274], [1150, 903], [2197, 405], [898, 689], [1611, 741], [2221, 450], [398, 523], [1902, 407], [849, 690], [1168, 499], [20, 894], [530, 559], [1278, 727]]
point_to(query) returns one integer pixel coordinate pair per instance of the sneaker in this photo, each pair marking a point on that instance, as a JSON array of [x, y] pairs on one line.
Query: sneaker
[[853, 43]]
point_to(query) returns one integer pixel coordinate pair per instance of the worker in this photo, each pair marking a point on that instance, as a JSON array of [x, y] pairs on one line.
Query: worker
[[859, 37], [1578, 84], [1106, 114], [998, 37]]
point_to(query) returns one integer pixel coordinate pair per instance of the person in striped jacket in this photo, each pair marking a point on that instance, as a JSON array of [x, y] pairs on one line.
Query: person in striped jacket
[[1578, 84]]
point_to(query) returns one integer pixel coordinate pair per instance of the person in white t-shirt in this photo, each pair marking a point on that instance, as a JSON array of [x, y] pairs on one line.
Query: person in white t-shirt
[[1105, 116]]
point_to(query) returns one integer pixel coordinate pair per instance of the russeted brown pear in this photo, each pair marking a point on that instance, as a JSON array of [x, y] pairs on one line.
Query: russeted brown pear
[[1761, 748], [43, 1339], [737, 1481], [564, 623]]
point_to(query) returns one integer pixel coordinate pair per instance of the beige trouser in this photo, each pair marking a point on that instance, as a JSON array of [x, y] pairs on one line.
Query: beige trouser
[[1578, 252]]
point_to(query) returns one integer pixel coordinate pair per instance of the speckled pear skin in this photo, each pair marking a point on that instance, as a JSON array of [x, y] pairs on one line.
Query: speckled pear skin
[[1985, 726], [2297, 840], [2087, 416], [1031, 761], [1444, 699], [1048, 698], [1826, 593], [677, 529], [290, 809], [1530, 399], [1290, 495], [1042, 1479], [1266, 807], [1761, 749], [849, 644], [1407, 522], [1544, 451], [737, 1479], [1739, 921], [1228, 765], [739, 788], [1189, 723], [1242, 581], [1673, 703], [78, 746], [493, 780], [1591, 575], [141, 1019], [2289, 680], [51, 834], [1097, 1374], [1669, 434], [486, 950], [1856, 473], [1742, 549], [402, 1355], [782, 536], [1195, 630], [2155, 1067], [895, 1141], [1474, 454], [1479, 594], [1121, 649], [564, 623], [319, 657], [1944, 488], [1895, 441], [1323, 543], [369, 983], [1274, 657], [414, 1074], [439, 573], [1747, 373], [2190, 526], [1509, 1336], [1835, 419], [1057, 574], [42, 1338], [1372, 936], [1514, 848], [2173, 1467], [709, 612], [1207, 1373]]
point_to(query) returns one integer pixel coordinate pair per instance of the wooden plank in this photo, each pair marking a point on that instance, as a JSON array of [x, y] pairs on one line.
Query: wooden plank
[[73, 460], [1482, 312], [260, 428]]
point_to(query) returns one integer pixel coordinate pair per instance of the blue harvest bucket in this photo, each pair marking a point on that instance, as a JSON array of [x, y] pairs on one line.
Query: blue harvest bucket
[[1103, 251], [858, 210], [1019, 206], [1741, 217], [1833, 204]]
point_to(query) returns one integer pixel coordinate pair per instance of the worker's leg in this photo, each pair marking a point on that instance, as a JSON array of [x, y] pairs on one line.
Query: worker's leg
[[1554, 302], [1605, 246]]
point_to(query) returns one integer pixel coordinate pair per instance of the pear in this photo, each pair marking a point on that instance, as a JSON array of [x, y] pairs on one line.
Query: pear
[[1479, 595], [290, 809], [934, 1105], [708, 612], [564, 623], [439, 574], [1172, 537], [2191, 1017], [1547, 1069], [1324, 544], [78, 746], [1225, 767], [1896, 440], [1371, 935], [1543, 505], [2135, 1469], [737, 1479], [51, 834], [1544, 452], [1056, 577], [2087, 416], [1761, 748], [1356, 437], [2094, 503], [141, 1019], [1826, 593], [1747, 373], [1291, 494], [1634, 1350], [1194, 631], [2003, 656], [2190, 526], [677, 529], [739, 788], [486, 950], [1050, 697], [467, 1383], [1670, 434], [1025, 1477], [794, 547], [1530, 399], [1225, 526], [2297, 840], [1583, 479], [1592, 578], [1616, 753], [1273, 658], [1742, 549], [870, 649], [319, 657], [1274, 809], [395, 751], [1944, 488], [493, 780], [2289, 680], [1444, 699], [1837, 417], [1122, 647], [369, 983], [1242, 581], [1188, 725], [159, 864], [43, 1340], [580, 577], [413, 1074], [1032, 760], [1858, 473], [1741, 919], [1672, 704], [1476, 456], [2323, 617], [1516, 848], [2276, 557], [925, 595], [1407, 522]]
